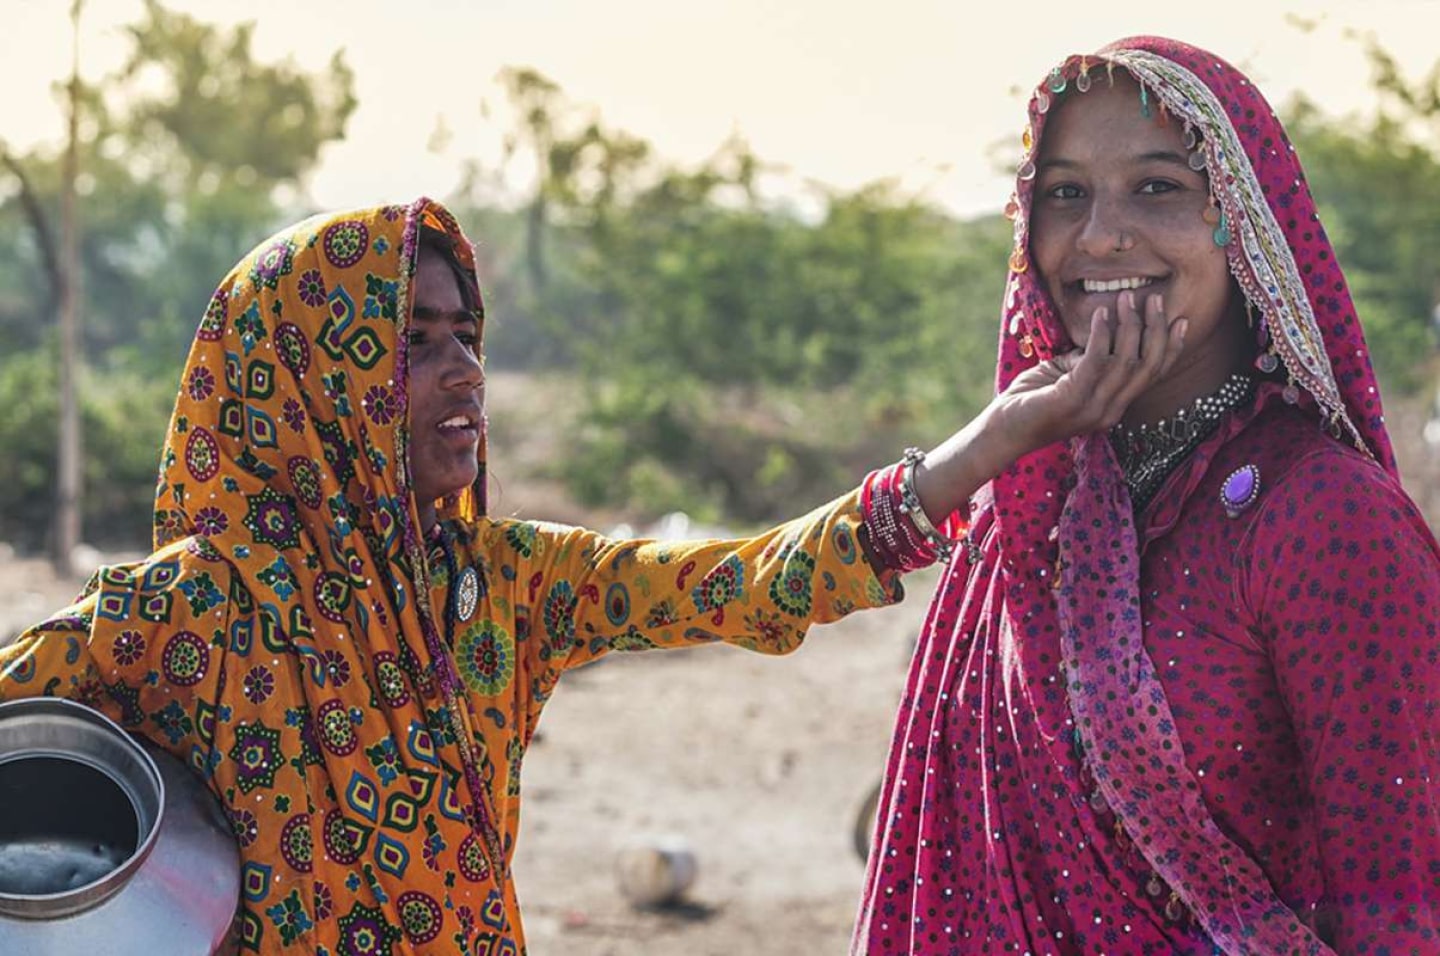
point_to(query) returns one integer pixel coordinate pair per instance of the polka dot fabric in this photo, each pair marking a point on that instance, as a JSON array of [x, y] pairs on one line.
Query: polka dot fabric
[[1180, 731]]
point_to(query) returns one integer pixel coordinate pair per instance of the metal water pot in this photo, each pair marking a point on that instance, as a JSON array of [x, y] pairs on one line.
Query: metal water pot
[[108, 845]]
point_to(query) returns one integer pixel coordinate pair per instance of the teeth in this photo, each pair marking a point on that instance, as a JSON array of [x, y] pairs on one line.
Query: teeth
[[1113, 285], [459, 421]]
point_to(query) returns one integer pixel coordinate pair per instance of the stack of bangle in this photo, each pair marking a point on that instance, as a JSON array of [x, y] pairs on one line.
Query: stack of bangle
[[901, 534]]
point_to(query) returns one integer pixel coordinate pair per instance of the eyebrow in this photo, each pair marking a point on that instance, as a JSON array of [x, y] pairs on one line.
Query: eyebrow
[[1154, 156], [428, 314]]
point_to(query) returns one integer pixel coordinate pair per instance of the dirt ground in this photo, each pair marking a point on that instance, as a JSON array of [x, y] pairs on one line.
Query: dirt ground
[[758, 764]]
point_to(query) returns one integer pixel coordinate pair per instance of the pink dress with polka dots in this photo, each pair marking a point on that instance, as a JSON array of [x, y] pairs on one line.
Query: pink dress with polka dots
[[1210, 727]]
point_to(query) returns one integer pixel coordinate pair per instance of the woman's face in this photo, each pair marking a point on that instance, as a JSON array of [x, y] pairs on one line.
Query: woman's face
[[1118, 207], [447, 386]]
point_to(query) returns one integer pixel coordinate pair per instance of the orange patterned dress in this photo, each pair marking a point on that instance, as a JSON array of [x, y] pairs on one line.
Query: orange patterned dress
[[364, 730]]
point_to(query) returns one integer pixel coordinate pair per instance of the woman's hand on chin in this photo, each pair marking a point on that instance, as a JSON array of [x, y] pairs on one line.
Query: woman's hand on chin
[[1072, 394], [1089, 389]]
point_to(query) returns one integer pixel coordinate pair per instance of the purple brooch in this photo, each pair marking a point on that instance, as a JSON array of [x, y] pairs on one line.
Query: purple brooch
[[1240, 490]]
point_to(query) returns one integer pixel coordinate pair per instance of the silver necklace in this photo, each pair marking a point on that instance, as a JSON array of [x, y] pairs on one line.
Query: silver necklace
[[1149, 453]]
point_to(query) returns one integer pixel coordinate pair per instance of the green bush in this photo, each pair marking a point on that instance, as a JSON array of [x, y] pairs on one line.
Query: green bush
[[123, 419]]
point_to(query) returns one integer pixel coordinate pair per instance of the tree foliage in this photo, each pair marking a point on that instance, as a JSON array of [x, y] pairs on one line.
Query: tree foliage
[[1377, 182], [737, 356], [189, 155]]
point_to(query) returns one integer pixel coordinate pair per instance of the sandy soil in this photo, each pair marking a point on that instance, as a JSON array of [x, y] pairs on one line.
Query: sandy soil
[[758, 764]]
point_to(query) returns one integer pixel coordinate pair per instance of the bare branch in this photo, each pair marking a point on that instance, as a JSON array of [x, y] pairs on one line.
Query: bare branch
[[30, 203]]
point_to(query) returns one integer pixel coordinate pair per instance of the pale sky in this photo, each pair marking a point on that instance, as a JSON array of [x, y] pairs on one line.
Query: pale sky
[[839, 91]]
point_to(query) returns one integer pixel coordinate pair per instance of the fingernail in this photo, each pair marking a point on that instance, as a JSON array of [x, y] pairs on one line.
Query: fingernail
[[1129, 297], [1184, 325], [1160, 303]]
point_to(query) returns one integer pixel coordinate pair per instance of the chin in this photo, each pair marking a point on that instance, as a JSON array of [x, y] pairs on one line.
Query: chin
[[1078, 339]]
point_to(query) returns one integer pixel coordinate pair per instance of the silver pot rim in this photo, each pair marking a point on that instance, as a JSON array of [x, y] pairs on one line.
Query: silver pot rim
[[34, 727]]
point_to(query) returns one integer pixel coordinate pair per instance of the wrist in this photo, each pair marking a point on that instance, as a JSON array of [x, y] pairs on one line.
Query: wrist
[[1001, 437]]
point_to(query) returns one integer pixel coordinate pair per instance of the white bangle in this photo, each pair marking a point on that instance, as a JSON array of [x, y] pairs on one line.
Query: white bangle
[[910, 506]]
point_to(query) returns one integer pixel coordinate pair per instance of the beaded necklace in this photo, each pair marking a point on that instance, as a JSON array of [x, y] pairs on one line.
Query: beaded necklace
[[1149, 453]]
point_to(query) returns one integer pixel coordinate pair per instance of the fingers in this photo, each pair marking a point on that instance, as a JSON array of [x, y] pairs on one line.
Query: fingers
[[1112, 354], [1154, 352], [1174, 342], [1088, 367], [1121, 362], [1130, 331]]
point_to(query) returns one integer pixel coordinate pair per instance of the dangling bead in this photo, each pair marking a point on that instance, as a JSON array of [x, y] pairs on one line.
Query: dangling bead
[[1267, 363], [1222, 231], [1042, 102], [1082, 79], [1027, 345], [1196, 161], [1156, 886], [1057, 81], [1018, 262], [1174, 909], [1191, 139], [1027, 170], [1291, 394]]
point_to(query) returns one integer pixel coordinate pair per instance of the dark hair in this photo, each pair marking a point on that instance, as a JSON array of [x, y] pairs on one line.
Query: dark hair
[[440, 242]]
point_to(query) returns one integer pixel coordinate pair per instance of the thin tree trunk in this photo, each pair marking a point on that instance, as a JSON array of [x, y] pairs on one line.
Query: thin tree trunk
[[67, 487]]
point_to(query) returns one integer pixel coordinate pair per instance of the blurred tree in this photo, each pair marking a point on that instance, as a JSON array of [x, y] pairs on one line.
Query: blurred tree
[[187, 155], [705, 320], [1378, 185], [691, 305]]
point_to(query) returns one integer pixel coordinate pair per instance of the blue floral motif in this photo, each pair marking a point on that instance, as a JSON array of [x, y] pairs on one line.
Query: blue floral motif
[[173, 722], [381, 296], [385, 758], [201, 592], [289, 917], [724, 584], [280, 578]]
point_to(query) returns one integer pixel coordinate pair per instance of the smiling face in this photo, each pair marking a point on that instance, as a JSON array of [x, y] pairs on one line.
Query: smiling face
[[447, 385], [1117, 207]]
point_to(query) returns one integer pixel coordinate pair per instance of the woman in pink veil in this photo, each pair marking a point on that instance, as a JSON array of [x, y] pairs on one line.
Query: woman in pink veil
[[1180, 691]]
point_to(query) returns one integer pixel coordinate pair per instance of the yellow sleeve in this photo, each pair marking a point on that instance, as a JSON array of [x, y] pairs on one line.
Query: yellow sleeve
[[583, 595], [53, 659], [142, 647]]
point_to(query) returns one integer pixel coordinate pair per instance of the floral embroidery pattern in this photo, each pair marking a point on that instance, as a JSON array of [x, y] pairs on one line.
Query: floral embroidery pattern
[[287, 652]]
